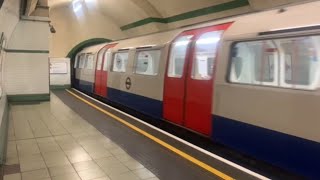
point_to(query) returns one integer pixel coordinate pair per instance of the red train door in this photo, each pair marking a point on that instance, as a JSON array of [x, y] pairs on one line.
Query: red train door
[[175, 79], [102, 72], [190, 76]]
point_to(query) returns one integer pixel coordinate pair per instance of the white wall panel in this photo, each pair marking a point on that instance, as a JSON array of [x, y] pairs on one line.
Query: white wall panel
[[60, 78], [29, 35], [26, 64], [26, 73]]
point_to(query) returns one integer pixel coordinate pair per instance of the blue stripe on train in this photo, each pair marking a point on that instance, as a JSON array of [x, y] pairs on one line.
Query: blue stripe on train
[[139, 103], [289, 152], [76, 83], [84, 85]]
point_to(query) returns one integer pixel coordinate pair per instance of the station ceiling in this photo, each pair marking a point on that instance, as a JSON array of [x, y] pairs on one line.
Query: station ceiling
[[130, 13], [81, 20]]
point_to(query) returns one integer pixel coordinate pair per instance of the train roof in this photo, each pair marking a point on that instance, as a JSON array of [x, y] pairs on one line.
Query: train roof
[[251, 26], [157, 39]]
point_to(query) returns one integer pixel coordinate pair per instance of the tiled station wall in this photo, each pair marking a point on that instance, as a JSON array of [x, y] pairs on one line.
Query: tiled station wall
[[25, 55], [26, 66]]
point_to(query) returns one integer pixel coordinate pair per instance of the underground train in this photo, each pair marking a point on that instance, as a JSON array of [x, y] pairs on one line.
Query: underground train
[[250, 82]]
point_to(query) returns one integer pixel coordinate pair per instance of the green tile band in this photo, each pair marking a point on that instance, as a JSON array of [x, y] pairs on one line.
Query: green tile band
[[4, 130], [143, 22], [28, 97], [26, 51], [58, 87], [191, 14]]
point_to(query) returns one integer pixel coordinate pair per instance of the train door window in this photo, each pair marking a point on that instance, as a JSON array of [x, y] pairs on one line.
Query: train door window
[[178, 55], [300, 66], [76, 62], [89, 61], [254, 62], [100, 58], [147, 62], [120, 61], [205, 54], [82, 61], [107, 57]]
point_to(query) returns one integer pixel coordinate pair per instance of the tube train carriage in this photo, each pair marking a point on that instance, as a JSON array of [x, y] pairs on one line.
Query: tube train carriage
[[250, 82]]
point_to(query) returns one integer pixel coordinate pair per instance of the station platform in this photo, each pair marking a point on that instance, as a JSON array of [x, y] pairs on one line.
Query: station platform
[[74, 137]]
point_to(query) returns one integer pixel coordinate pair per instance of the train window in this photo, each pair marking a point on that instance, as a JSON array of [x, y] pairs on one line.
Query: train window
[[120, 61], [255, 62], [82, 61], [147, 62], [89, 61], [287, 62], [205, 54], [178, 56], [107, 57], [300, 66]]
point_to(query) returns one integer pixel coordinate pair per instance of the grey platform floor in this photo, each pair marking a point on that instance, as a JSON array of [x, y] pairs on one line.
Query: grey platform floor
[[66, 139], [50, 141]]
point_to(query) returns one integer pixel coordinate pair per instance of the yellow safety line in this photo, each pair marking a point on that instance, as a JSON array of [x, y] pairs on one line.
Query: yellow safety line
[[157, 140]]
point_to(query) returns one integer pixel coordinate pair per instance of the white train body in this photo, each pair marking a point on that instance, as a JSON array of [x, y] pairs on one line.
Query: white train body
[[251, 82]]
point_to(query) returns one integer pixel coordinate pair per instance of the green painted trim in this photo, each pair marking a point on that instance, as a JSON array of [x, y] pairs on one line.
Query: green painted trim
[[34, 20], [57, 87], [209, 10], [74, 51], [43, 7], [79, 47], [26, 51], [188, 15], [28, 97], [4, 132], [143, 22]]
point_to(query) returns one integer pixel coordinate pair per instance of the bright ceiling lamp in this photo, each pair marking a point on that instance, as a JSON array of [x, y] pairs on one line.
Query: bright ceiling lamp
[[77, 5]]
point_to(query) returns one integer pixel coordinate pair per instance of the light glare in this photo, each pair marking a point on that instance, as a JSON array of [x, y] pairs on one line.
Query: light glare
[[77, 5], [210, 40], [181, 43]]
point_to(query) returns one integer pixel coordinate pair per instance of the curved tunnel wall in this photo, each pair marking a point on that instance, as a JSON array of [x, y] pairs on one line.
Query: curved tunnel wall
[[73, 28], [76, 49], [85, 44]]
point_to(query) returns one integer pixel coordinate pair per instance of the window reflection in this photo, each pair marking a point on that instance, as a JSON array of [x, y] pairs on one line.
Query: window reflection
[[120, 62], [288, 62], [205, 54], [147, 62], [178, 55]]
